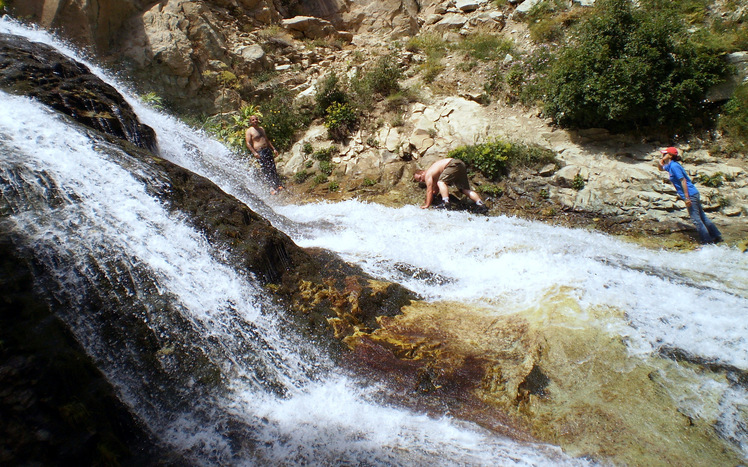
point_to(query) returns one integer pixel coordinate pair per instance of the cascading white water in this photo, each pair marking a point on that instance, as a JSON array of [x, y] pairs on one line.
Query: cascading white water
[[89, 214]]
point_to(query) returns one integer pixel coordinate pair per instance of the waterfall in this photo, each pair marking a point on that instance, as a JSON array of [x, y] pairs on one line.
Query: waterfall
[[232, 384], [280, 400]]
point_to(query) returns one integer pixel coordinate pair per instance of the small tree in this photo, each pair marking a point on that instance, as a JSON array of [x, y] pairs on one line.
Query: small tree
[[626, 68]]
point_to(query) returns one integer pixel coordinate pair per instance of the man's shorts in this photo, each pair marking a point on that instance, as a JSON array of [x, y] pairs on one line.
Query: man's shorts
[[455, 174]]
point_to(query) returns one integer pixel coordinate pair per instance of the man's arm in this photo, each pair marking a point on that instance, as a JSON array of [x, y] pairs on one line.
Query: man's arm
[[685, 191], [429, 192]]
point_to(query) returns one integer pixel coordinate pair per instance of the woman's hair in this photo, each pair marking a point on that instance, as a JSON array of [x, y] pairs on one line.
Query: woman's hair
[[676, 157]]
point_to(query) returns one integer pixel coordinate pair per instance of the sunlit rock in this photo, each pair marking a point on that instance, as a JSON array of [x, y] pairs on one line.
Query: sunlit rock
[[555, 371]]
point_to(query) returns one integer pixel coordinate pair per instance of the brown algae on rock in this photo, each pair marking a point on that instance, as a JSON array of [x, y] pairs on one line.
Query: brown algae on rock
[[553, 371]]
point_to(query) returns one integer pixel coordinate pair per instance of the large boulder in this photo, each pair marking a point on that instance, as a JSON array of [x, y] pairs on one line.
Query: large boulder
[[39, 71]]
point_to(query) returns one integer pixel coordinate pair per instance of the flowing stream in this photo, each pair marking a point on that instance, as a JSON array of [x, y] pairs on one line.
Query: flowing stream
[[286, 403]]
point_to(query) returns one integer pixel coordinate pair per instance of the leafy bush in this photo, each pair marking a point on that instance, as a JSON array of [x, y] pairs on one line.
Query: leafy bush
[[497, 158], [491, 190], [340, 120], [325, 154], [150, 98], [435, 48], [486, 46], [550, 19], [488, 158], [524, 78], [301, 176], [333, 186], [282, 119], [307, 148], [384, 78], [627, 68], [231, 128], [715, 181], [326, 167], [331, 91], [578, 182], [319, 179]]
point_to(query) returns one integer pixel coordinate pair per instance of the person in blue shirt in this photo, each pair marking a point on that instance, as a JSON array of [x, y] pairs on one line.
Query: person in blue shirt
[[708, 232]]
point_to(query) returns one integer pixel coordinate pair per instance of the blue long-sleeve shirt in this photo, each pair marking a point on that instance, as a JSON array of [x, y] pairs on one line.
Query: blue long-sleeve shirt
[[678, 173]]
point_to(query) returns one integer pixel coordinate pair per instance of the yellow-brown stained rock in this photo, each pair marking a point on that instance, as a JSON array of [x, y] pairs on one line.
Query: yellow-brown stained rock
[[549, 370]]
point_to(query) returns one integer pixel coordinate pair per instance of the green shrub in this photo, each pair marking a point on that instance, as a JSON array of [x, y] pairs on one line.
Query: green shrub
[[319, 179], [149, 98], [340, 120], [326, 167], [307, 148], [486, 46], [325, 154], [549, 20], [524, 78], [331, 91], [733, 121], [369, 182], [282, 119], [714, 181], [488, 158], [626, 68], [494, 191], [529, 156], [435, 48], [333, 186], [497, 158], [301, 176], [578, 182], [384, 78]]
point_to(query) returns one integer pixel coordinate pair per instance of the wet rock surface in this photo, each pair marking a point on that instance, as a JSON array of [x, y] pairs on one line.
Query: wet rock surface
[[56, 408], [38, 71]]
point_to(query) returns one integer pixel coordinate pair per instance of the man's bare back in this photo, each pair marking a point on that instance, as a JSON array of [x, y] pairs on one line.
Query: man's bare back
[[432, 177]]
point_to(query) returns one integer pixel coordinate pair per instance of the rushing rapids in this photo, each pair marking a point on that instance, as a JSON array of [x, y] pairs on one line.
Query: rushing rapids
[[594, 328]]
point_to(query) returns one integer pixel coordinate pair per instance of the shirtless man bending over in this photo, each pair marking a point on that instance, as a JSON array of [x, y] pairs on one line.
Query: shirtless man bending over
[[443, 173], [260, 146]]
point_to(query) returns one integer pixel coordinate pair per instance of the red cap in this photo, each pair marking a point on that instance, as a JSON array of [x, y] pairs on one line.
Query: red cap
[[671, 150]]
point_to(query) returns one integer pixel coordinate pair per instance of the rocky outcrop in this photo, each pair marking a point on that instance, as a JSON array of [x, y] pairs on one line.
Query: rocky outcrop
[[94, 24], [541, 370], [38, 71]]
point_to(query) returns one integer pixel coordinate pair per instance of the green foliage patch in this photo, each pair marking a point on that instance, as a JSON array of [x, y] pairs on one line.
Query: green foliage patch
[[486, 46], [713, 181], [495, 159], [435, 48], [627, 68]]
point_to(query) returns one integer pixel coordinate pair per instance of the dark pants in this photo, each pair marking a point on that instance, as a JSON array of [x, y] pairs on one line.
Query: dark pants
[[708, 232], [267, 164]]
